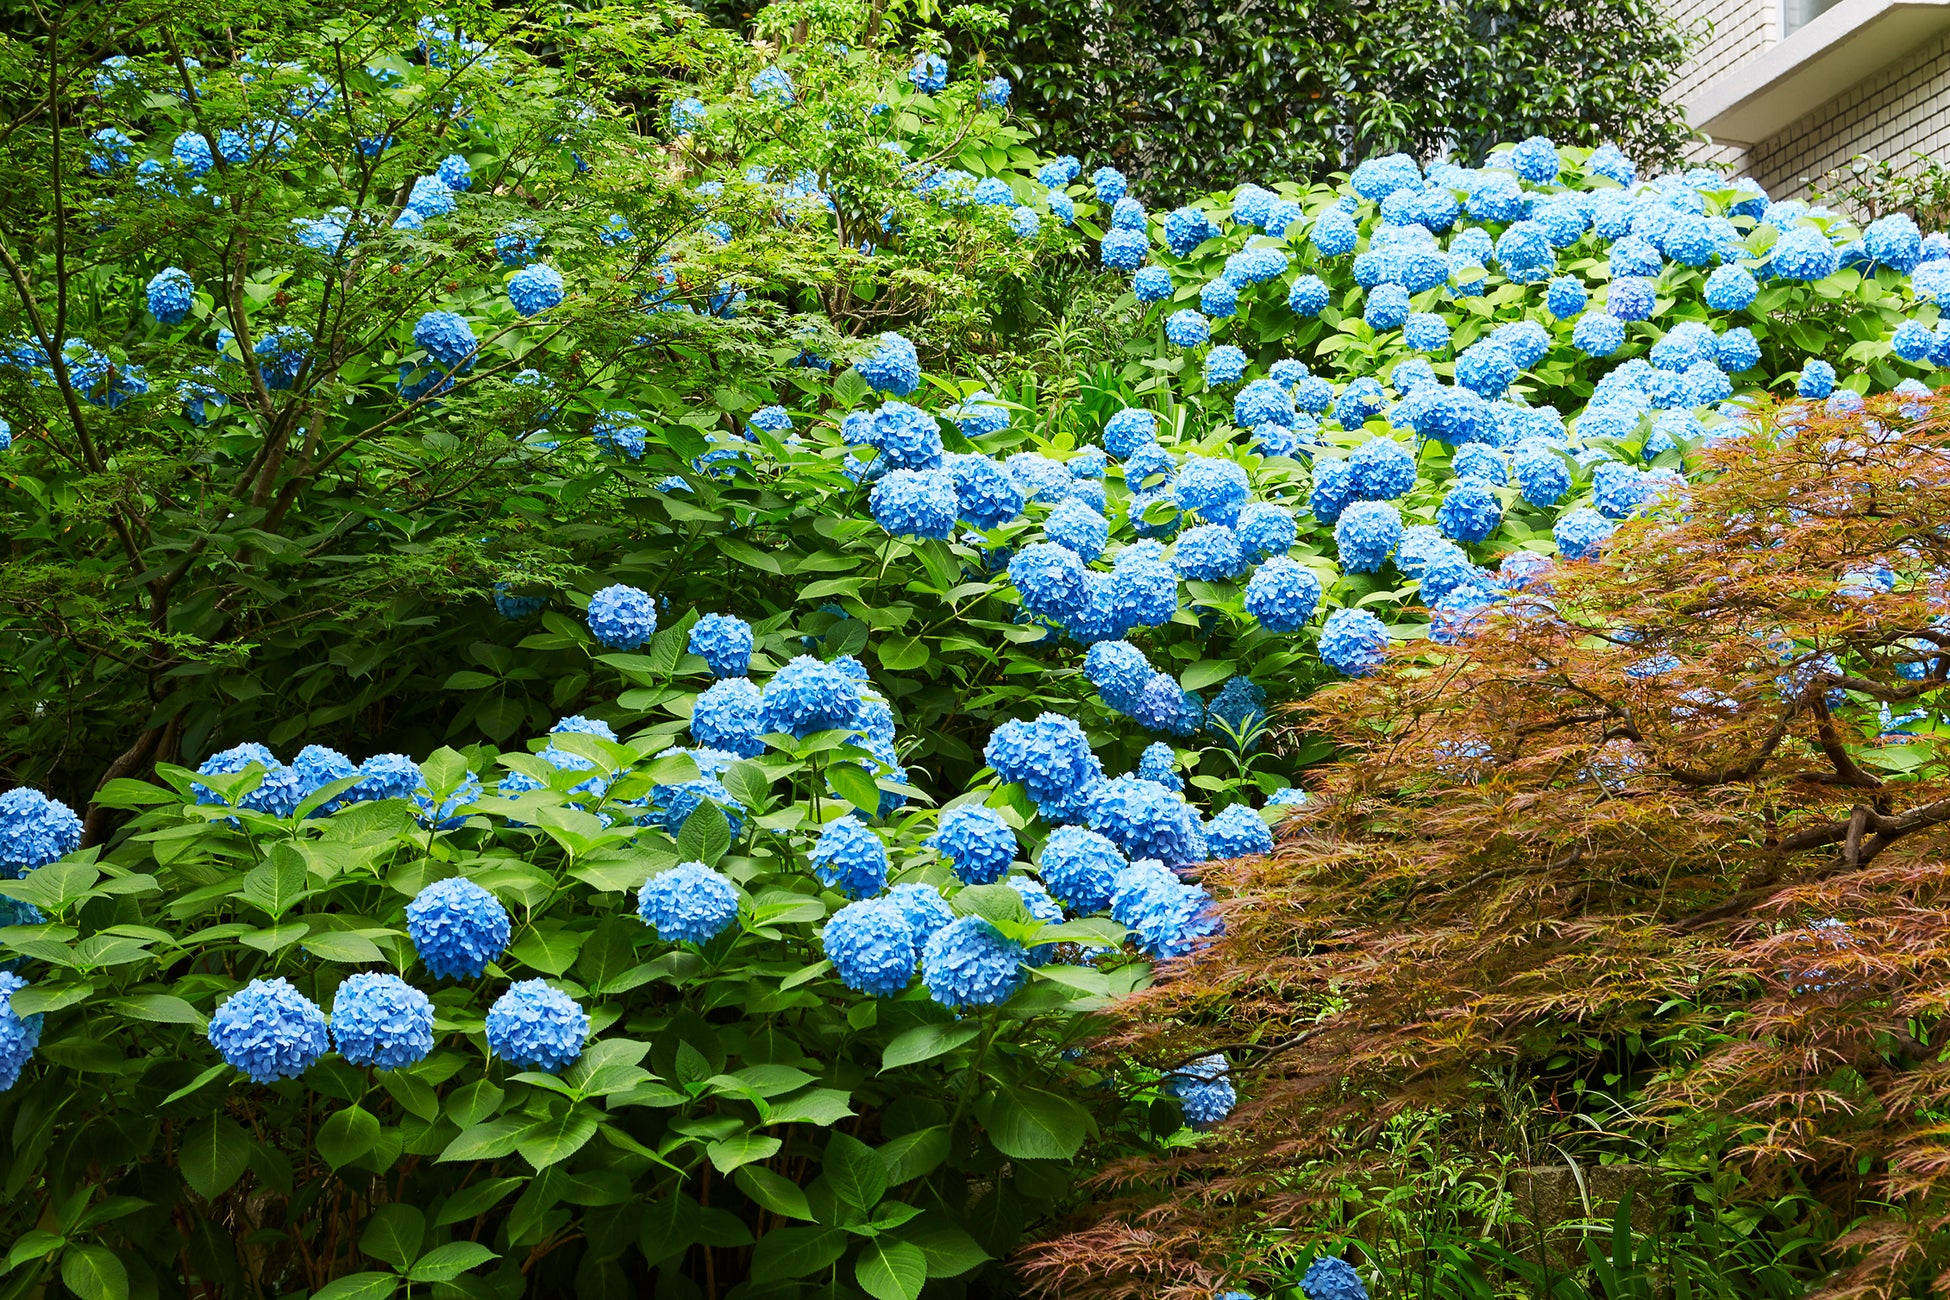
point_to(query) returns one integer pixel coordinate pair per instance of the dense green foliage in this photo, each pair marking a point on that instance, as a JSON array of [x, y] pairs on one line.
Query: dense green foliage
[[1200, 97]]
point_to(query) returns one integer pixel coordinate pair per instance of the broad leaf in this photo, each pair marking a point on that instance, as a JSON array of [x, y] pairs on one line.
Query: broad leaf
[[891, 1270]]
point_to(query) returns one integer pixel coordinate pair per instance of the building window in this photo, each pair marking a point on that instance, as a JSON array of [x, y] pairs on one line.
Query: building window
[[1796, 14]]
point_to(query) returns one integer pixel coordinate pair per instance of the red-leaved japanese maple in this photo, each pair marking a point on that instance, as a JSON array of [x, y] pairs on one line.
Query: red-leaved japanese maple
[[1661, 785]]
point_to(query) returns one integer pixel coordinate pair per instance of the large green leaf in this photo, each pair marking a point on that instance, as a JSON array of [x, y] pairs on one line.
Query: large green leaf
[[358, 1286], [741, 1149], [705, 836], [445, 1263], [775, 1192], [347, 1135], [889, 1269], [394, 1234], [796, 1252], [551, 1141], [854, 1171], [94, 1273], [1033, 1124], [213, 1156], [925, 1042]]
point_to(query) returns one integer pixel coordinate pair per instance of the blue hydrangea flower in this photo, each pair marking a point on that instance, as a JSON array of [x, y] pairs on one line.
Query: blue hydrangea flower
[[892, 367], [191, 152], [1912, 341], [690, 903], [1119, 671], [457, 928], [685, 115], [977, 843], [19, 1035], [1535, 160], [1164, 705], [1580, 532], [1224, 364], [1353, 641], [995, 91], [1109, 183], [724, 643], [774, 84], [1059, 171], [1334, 234], [1209, 553], [1377, 178], [808, 695], [1894, 241], [281, 355], [1187, 328], [622, 617], [378, 1019], [1238, 832], [1218, 298], [1265, 528], [873, 946], [517, 245], [1386, 307], [1025, 223], [1487, 367], [1308, 296], [1050, 579], [849, 857], [1204, 1090], [1631, 299], [923, 907], [1157, 763], [277, 794], [916, 503], [535, 1027], [1187, 228], [1151, 284], [1078, 528], [171, 294], [269, 1030], [730, 716], [1566, 297], [1542, 475], [1470, 512], [1803, 253], [1061, 206], [1598, 334], [1481, 463], [1282, 594], [1166, 918], [446, 336], [984, 492], [1128, 214], [968, 963], [1731, 288], [1424, 331], [1049, 758], [1124, 250], [929, 73], [1366, 534], [535, 289], [1817, 380], [1079, 866], [1329, 1277]]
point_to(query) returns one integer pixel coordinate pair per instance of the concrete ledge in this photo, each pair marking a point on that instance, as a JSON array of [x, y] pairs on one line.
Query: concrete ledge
[[1839, 49]]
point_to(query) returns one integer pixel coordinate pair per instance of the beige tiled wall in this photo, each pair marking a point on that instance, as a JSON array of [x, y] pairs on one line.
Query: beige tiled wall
[[1905, 108], [1902, 109]]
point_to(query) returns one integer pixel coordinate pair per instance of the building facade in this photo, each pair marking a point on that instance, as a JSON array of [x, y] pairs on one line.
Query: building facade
[[1790, 90]]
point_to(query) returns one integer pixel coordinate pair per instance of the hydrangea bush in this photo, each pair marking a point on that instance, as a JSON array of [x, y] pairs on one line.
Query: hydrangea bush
[[615, 1005]]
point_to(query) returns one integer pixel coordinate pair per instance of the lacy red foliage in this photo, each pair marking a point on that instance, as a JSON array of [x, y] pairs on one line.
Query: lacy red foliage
[[1620, 808]]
